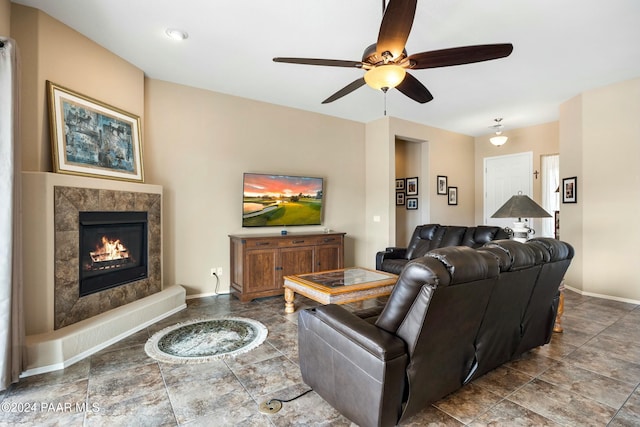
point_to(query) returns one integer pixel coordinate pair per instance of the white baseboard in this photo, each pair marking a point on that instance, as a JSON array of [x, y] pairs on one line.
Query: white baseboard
[[609, 297], [61, 348]]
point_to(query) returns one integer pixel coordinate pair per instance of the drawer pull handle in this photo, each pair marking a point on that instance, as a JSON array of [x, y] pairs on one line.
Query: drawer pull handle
[[327, 240], [297, 241], [262, 243]]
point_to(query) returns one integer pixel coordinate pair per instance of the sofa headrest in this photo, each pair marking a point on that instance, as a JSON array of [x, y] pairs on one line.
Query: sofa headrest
[[556, 250], [442, 267], [425, 237], [481, 234], [427, 231], [453, 235], [416, 274], [520, 255], [465, 264]]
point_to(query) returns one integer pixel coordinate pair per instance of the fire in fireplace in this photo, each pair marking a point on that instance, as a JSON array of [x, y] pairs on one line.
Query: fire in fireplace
[[113, 249]]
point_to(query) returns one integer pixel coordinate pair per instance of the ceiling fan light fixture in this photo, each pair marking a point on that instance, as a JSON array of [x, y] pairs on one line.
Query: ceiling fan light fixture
[[499, 139], [385, 76]]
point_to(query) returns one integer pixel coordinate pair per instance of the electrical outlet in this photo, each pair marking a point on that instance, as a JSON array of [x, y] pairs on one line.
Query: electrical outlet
[[219, 272], [213, 272]]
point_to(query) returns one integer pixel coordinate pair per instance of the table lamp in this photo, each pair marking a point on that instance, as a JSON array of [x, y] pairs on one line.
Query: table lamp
[[521, 206]]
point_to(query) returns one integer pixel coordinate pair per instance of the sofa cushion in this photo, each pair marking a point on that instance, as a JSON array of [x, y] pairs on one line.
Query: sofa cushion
[[394, 266]]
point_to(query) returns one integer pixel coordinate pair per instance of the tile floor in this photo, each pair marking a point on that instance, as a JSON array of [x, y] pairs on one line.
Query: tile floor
[[587, 376]]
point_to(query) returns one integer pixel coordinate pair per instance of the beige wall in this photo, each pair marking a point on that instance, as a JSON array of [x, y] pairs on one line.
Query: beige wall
[[601, 130], [442, 153], [199, 143], [50, 50], [5, 18], [540, 140]]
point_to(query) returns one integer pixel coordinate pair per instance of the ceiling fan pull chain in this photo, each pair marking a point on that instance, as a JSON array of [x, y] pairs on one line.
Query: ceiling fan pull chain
[[385, 103]]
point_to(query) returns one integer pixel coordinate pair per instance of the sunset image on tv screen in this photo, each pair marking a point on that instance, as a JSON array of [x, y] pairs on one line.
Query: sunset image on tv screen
[[280, 200]]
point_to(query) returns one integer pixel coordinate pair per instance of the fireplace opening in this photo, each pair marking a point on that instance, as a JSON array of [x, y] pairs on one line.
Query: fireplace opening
[[113, 249]]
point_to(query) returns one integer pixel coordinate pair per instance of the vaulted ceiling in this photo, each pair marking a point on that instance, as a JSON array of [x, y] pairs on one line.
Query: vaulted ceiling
[[561, 49]]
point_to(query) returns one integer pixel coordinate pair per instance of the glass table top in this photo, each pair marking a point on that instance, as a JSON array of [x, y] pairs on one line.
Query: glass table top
[[346, 277]]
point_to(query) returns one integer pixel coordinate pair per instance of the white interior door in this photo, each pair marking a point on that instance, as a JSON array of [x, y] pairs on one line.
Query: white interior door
[[505, 176]]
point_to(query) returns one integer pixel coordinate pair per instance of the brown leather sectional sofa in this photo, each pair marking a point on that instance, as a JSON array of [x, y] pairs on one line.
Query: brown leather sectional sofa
[[454, 314], [433, 236]]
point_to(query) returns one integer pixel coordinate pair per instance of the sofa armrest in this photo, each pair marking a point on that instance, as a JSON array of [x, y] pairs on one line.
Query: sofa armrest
[[390, 253], [375, 340], [358, 368]]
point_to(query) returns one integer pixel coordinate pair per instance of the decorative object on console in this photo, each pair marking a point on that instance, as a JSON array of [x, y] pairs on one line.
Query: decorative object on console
[[281, 200], [521, 206], [412, 203], [570, 190], [499, 139], [442, 185], [91, 138], [202, 341], [452, 195], [412, 186]]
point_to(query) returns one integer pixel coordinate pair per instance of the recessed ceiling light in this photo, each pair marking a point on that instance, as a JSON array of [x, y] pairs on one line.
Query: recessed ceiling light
[[176, 34]]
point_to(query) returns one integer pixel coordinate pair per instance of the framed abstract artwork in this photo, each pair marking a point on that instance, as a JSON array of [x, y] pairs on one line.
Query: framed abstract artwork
[[91, 138]]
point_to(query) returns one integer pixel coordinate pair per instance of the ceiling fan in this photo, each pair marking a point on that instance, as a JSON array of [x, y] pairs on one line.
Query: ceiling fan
[[386, 62]]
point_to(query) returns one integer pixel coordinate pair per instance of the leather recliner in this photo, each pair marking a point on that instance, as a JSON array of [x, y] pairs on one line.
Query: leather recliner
[[433, 236], [454, 314]]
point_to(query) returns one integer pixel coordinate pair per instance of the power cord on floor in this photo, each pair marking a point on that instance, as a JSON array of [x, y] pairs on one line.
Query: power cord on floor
[[218, 285], [272, 406]]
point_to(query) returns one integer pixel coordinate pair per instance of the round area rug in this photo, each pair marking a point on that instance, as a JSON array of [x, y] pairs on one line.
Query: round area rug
[[204, 340]]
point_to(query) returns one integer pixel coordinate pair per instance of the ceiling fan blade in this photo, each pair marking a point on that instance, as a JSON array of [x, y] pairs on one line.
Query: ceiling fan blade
[[415, 90], [327, 62], [345, 90], [459, 55], [395, 27]]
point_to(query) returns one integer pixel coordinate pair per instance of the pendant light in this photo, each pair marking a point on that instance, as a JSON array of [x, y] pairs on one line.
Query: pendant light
[[499, 139]]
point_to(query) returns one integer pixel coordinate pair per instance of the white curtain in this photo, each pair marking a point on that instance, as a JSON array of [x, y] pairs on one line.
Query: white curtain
[[11, 318], [550, 166]]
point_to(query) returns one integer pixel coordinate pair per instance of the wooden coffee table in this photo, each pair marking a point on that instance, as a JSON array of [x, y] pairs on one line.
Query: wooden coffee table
[[338, 286]]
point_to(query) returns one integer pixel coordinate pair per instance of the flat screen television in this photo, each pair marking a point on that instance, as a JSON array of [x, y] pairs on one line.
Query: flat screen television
[[281, 200]]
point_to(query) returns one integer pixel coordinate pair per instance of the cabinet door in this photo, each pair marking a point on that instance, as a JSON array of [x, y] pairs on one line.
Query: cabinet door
[[297, 260], [328, 257], [260, 270]]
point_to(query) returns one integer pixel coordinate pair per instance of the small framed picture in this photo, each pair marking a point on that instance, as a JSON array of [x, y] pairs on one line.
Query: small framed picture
[[442, 185], [412, 186], [399, 184], [570, 190], [412, 203], [452, 195], [399, 199]]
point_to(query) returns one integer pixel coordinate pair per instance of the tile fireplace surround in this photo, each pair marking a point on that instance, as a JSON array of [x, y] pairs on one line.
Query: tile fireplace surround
[[62, 327]]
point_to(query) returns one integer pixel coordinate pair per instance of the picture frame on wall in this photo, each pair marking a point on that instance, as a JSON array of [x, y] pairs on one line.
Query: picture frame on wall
[[399, 199], [412, 186], [399, 184], [452, 195], [91, 138], [412, 203], [570, 190], [441, 182]]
